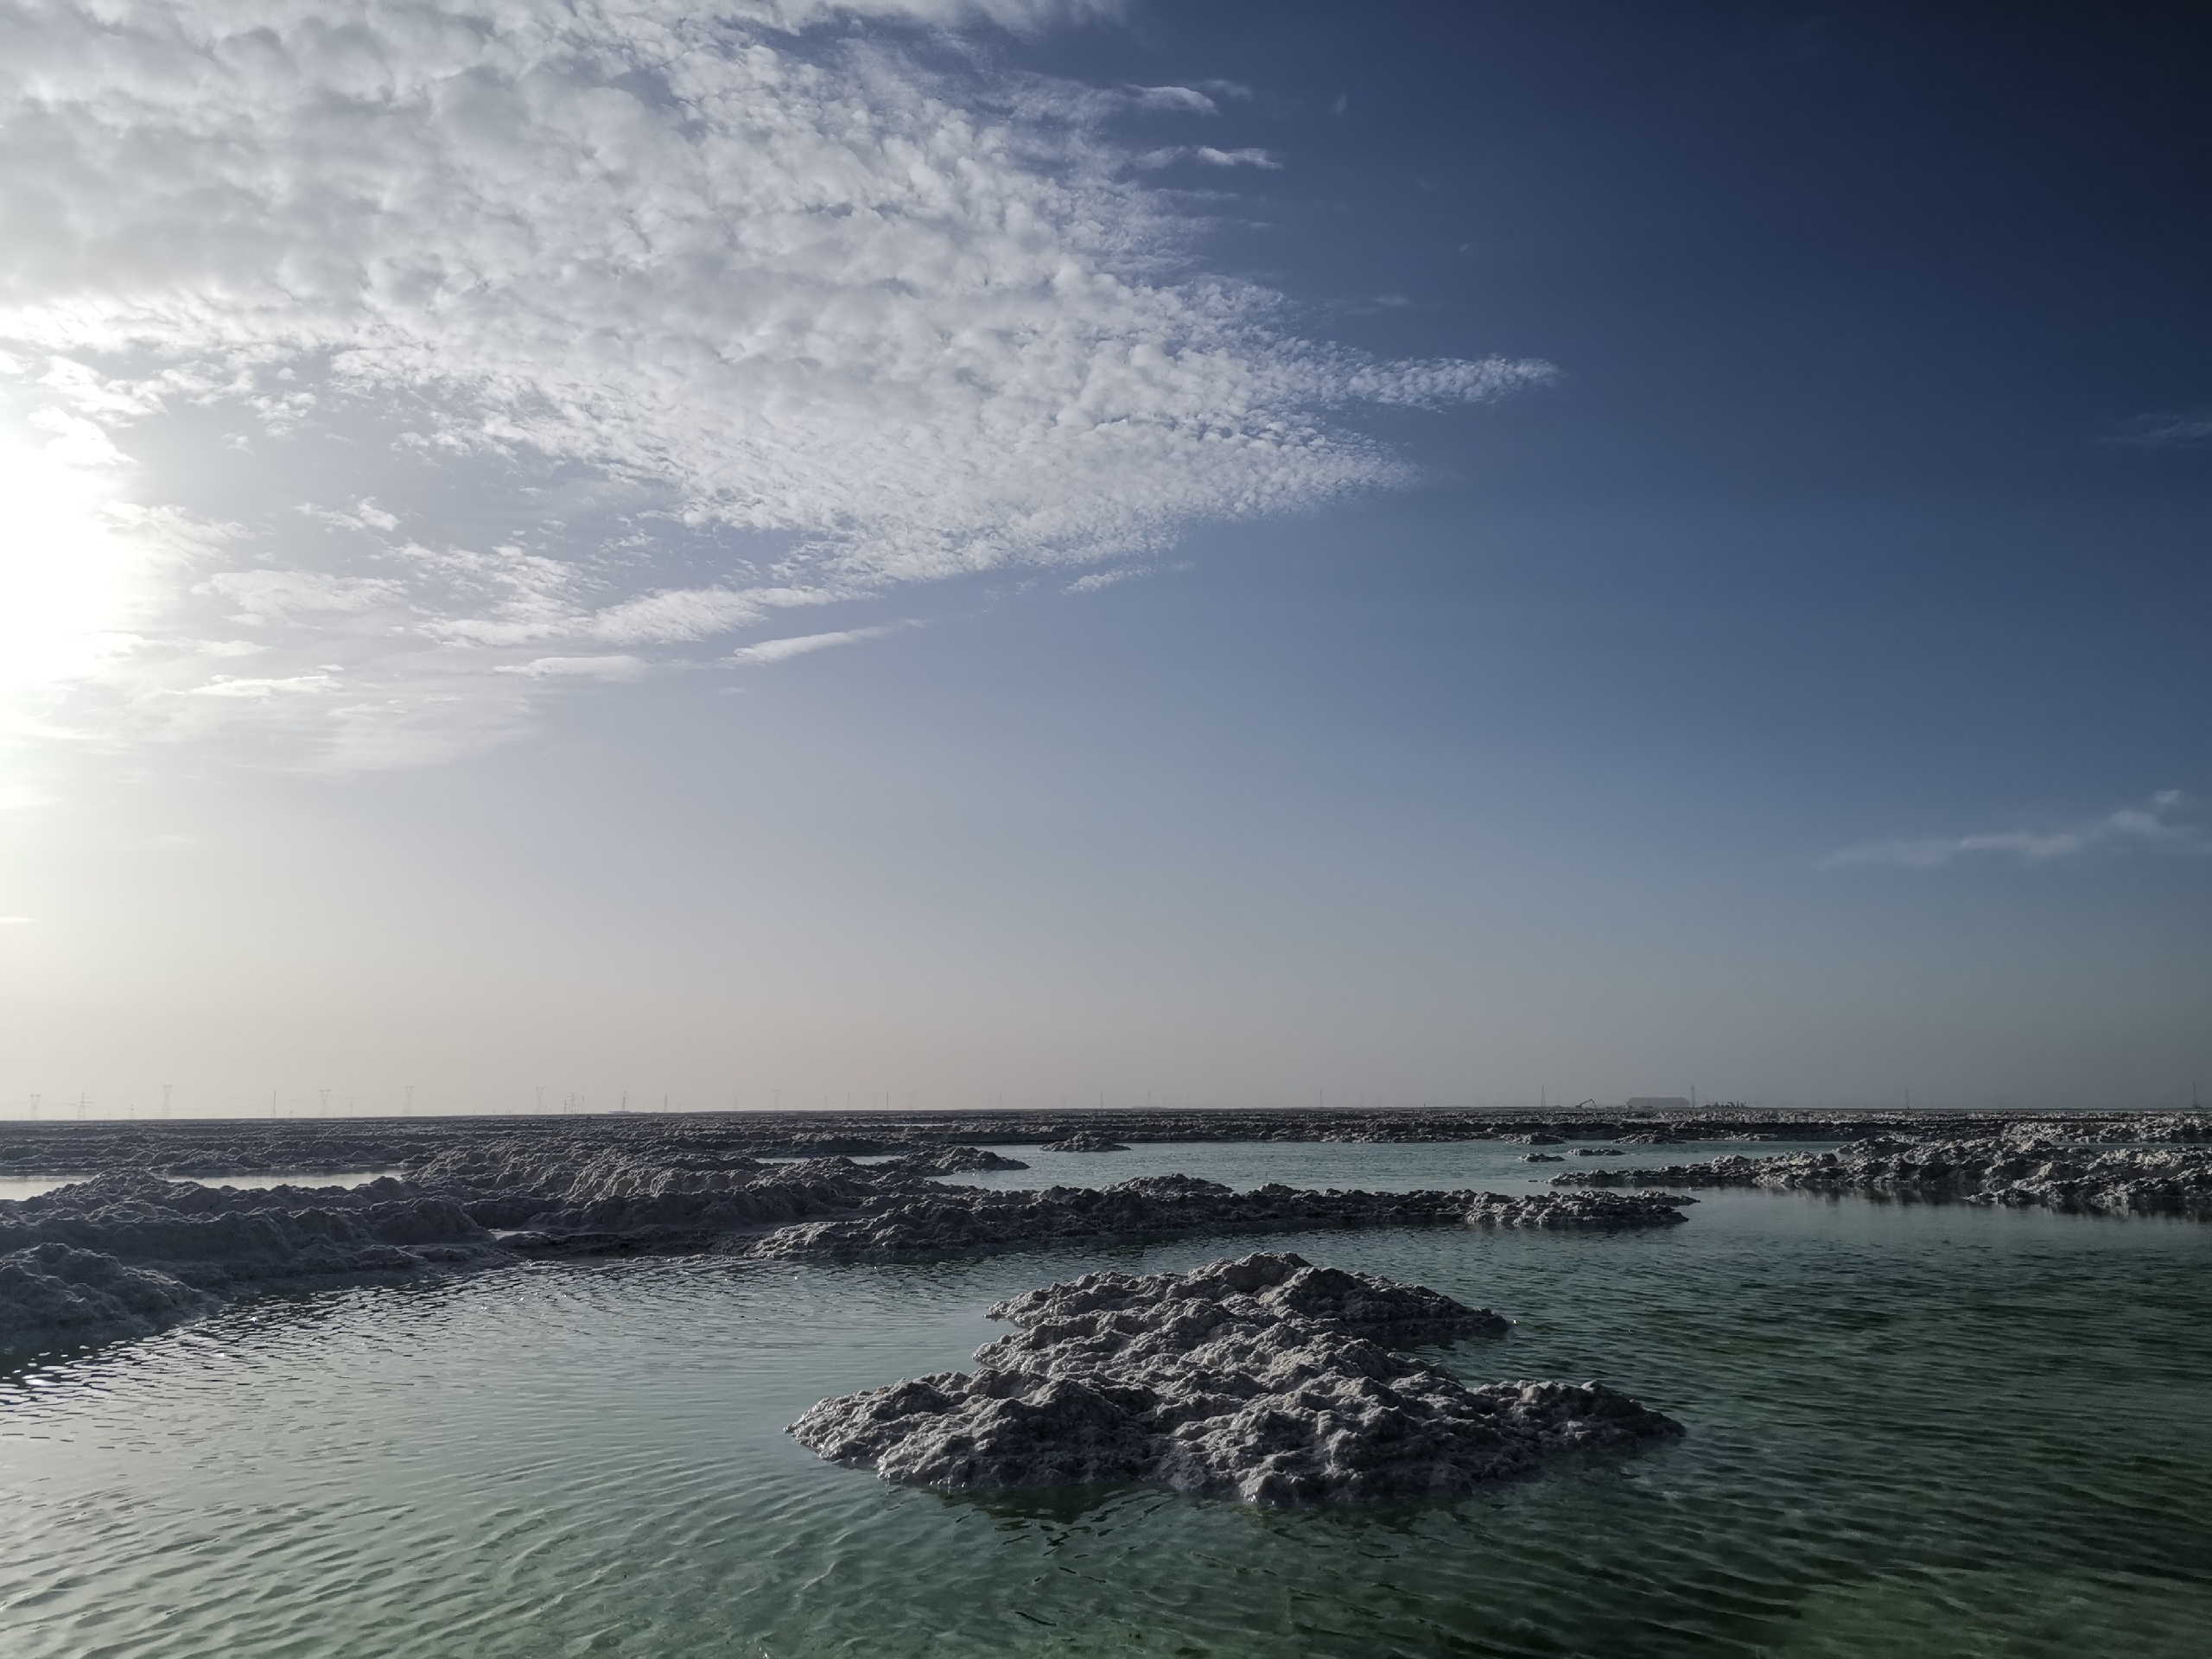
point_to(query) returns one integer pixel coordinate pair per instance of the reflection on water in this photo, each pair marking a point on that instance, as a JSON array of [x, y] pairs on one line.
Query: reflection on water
[[1915, 1430]]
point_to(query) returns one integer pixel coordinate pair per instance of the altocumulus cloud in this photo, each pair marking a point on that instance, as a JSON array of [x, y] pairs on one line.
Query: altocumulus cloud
[[2154, 826], [649, 289]]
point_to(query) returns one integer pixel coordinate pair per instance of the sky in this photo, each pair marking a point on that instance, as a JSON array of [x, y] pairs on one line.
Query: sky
[[976, 552]]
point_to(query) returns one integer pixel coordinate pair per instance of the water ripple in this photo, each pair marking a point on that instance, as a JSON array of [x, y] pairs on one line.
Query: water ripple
[[1915, 1430]]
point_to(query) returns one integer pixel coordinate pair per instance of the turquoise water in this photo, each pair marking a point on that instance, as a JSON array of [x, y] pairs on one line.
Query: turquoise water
[[1915, 1430]]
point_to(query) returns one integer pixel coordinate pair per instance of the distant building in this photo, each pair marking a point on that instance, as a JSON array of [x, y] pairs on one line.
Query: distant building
[[1657, 1103]]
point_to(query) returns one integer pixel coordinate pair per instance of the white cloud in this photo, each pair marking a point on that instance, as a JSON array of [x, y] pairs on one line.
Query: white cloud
[[1176, 99], [2169, 431], [263, 595], [706, 315], [2129, 829], [695, 614], [224, 686], [1247, 157], [1097, 578], [1023, 15], [1154, 159], [365, 515], [592, 668], [17, 921], [777, 650]]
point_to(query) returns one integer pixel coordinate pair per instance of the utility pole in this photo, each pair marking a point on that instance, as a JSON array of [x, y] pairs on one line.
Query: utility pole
[[409, 1108], [165, 1099], [325, 1101], [35, 1101]]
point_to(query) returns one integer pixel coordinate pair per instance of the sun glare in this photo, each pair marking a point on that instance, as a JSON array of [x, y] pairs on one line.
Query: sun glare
[[64, 568]]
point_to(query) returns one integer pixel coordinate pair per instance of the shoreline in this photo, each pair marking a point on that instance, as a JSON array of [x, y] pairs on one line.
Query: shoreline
[[130, 1250], [216, 1147], [145, 1244]]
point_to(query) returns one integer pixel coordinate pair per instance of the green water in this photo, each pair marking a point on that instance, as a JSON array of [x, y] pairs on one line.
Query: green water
[[1915, 1430]]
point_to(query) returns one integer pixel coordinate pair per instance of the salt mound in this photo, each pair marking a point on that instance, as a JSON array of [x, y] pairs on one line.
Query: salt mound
[[933, 1222], [952, 1161], [2012, 1170], [57, 1293], [125, 1253], [1083, 1140], [1265, 1379]]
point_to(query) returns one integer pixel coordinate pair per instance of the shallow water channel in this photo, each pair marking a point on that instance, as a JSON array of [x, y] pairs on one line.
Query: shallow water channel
[[1914, 1430]]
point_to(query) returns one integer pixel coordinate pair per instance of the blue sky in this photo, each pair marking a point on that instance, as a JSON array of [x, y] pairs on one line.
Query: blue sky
[[1036, 551]]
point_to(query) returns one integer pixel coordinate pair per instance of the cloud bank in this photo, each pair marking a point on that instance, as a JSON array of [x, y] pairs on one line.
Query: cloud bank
[[2128, 830], [552, 312]]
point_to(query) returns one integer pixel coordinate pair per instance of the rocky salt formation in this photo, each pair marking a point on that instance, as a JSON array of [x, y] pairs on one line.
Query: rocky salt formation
[[1265, 1379], [214, 1148], [577, 1175], [1083, 1140], [2017, 1171], [53, 1293], [727, 1216], [1529, 1210], [123, 1254], [965, 1221], [508, 1200], [954, 1160]]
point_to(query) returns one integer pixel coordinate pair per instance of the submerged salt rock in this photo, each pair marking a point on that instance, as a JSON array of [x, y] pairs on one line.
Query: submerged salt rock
[[1263, 1378]]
